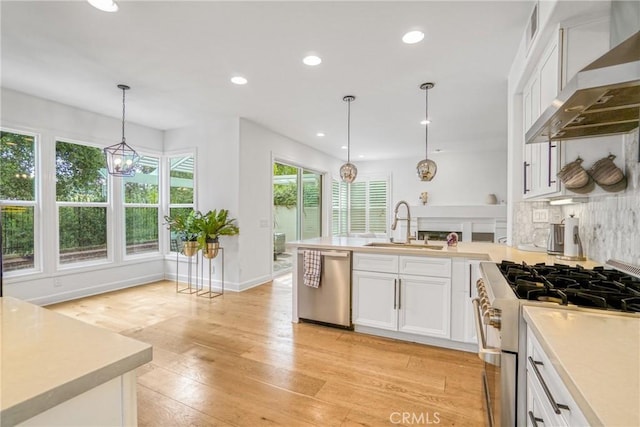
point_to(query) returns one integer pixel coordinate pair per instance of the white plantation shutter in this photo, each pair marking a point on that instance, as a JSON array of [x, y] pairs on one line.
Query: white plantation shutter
[[358, 207], [338, 208], [367, 200], [377, 206]]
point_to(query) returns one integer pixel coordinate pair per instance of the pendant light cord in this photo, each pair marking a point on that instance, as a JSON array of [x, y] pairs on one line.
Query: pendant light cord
[[426, 125], [123, 90], [349, 131]]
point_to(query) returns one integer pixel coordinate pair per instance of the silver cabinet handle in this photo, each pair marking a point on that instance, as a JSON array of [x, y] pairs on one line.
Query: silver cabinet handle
[[399, 293], [535, 420], [470, 275], [556, 406], [489, 355]]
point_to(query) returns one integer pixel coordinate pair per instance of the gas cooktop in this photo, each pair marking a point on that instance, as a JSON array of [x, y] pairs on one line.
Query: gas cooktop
[[594, 288]]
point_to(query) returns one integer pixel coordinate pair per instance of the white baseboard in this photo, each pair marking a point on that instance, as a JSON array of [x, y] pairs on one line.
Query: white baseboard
[[438, 342], [95, 290]]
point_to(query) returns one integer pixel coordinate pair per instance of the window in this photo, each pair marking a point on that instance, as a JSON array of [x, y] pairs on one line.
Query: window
[[338, 208], [181, 194], [367, 199], [141, 207], [82, 200], [18, 200]]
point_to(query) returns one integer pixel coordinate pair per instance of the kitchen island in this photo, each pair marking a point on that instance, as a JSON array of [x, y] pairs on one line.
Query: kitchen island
[[596, 357], [415, 292], [482, 251], [60, 371]]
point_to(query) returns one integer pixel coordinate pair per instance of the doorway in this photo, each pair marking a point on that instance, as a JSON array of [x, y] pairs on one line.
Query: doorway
[[297, 210]]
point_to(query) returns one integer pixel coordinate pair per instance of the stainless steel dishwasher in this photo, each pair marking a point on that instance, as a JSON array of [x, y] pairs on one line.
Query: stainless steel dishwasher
[[330, 302]]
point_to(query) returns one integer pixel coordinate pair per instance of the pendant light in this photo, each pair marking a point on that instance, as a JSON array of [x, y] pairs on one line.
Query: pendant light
[[348, 171], [426, 168], [122, 160]]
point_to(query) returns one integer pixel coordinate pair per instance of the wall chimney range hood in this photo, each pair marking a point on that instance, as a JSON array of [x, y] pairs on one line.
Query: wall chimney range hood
[[602, 99]]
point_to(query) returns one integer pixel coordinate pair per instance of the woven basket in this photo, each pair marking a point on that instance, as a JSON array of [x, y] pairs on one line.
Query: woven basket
[[605, 172], [573, 175]]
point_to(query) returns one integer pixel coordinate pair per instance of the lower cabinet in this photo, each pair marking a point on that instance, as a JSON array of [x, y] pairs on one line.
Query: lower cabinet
[[417, 303], [465, 273], [548, 400]]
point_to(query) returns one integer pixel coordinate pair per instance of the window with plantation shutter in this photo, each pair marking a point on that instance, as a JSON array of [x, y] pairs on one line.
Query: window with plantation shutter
[[338, 208], [367, 201], [377, 206]]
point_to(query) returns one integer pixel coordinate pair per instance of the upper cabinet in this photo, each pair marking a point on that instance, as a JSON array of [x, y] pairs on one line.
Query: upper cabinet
[[573, 45]]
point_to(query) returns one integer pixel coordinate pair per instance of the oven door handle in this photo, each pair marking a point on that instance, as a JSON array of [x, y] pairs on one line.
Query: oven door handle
[[487, 354]]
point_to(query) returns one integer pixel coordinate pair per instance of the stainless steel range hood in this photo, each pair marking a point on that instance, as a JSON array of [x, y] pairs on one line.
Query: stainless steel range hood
[[602, 99]]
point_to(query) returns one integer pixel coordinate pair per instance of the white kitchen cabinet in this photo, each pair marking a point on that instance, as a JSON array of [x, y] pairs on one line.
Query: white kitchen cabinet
[[574, 45], [374, 299], [408, 294], [424, 305], [540, 169], [549, 403], [465, 274], [540, 161]]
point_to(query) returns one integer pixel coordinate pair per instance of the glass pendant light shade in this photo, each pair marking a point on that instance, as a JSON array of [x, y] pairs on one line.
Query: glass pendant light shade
[[426, 168], [122, 160], [348, 171]]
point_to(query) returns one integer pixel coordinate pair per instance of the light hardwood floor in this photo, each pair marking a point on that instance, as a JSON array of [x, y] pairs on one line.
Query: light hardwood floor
[[238, 360]]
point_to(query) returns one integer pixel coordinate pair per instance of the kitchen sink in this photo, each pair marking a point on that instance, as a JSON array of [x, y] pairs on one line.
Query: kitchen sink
[[404, 245]]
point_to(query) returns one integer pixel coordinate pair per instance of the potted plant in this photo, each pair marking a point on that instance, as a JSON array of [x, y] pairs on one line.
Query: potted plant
[[185, 225], [211, 226]]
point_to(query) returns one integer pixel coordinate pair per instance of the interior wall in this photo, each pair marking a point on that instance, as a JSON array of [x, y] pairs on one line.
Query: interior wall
[[51, 120], [215, 144], [259, 146], [463, 178]]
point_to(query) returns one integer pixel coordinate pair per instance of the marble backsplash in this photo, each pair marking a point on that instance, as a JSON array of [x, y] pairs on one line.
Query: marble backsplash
[[609, 224]]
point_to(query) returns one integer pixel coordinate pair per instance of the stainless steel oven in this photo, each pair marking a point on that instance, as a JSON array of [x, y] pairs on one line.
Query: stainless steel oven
[[499, 371], [504, 288]]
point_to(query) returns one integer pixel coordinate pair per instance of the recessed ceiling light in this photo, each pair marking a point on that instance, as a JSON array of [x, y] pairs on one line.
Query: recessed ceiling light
[[413, 37], [312, 60], [361, 156], [425, 122], [344, 147], [239, 80], [320, 134], [104, 5]]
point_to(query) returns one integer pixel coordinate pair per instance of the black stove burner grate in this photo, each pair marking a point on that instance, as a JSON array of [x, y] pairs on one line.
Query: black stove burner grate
[[596, 288]]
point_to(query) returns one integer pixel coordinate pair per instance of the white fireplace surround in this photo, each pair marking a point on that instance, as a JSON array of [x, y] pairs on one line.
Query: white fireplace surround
[[462, 219]]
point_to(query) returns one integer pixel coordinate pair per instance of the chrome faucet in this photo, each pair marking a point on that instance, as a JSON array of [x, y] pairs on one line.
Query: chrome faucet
[[408, 219]]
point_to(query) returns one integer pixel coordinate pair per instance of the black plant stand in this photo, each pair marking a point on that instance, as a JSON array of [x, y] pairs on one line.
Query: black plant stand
[[210, 293]]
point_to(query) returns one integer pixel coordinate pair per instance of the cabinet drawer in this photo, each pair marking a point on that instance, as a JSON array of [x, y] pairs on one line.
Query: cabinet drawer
[[424, 266], [570, 414], [375, 262]]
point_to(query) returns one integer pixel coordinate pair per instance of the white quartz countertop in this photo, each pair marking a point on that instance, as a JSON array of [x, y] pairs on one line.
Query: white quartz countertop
[[597, 357], [49, 358], [473, 250]]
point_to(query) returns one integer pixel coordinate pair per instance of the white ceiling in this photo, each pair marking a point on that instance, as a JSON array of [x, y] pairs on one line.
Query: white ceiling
[[178, 58]]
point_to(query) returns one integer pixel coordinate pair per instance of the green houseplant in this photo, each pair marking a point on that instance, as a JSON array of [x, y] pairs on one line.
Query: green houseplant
[[211, 226], [185, 225]]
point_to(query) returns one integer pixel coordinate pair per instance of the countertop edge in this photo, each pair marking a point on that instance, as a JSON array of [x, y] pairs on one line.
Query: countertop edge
[[441, 253], [55, 396], [567, 380]]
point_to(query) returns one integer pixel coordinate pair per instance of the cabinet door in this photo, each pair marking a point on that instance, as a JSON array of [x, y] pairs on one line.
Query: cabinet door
[[549, 74], [375, 300], [425, 304], [473, 272]]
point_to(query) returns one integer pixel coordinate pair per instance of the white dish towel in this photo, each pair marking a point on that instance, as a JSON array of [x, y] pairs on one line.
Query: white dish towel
[[312, 261]]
